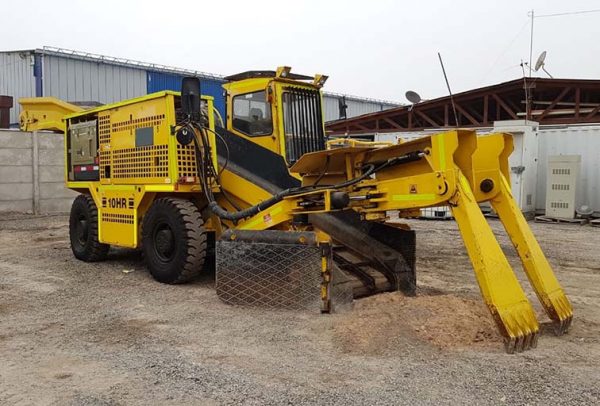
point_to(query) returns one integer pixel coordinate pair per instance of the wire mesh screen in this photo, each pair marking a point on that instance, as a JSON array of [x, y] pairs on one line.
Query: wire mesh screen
[[269, 275]]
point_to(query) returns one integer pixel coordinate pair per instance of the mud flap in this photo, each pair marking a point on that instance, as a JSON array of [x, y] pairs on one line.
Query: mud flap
[[277, 269]]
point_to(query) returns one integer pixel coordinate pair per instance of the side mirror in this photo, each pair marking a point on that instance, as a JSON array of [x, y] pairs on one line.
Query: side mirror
[[190, 97]]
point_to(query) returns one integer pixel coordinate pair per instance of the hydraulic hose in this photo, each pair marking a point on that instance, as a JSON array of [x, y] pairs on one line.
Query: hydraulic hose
[[242, 214], [238, 215]]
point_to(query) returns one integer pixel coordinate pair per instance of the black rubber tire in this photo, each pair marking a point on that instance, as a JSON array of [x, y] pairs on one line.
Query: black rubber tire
[[174, 240], [83, 230]]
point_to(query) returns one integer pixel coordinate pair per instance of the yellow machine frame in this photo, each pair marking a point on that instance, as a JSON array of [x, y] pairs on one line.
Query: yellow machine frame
[[138, 174], [454, 168]]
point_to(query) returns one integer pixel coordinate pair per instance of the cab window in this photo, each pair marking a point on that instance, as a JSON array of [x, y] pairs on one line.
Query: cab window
[[252, 114]]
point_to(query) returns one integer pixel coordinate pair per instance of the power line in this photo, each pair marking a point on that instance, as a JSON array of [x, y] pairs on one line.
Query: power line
[[568, 13], [533, 17], [510, 44]]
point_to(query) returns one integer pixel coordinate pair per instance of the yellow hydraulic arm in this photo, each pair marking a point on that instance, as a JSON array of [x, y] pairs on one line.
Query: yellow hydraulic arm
[[499, 286], [455, 168], [491, 166], [45, 113]]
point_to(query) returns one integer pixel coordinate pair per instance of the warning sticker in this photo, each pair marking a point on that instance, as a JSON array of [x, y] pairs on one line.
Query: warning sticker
[[413, 189]]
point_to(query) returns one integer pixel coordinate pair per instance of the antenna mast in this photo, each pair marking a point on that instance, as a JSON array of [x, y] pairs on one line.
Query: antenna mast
[[531, 14], [449, 91]]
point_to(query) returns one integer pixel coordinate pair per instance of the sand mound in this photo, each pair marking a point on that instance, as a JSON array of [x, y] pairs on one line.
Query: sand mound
[[394, 322]]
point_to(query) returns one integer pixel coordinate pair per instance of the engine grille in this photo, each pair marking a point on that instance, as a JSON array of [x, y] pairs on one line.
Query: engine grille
[[303, 122]]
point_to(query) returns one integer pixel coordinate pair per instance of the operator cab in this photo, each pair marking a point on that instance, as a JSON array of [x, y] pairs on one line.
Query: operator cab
[[279, 110]]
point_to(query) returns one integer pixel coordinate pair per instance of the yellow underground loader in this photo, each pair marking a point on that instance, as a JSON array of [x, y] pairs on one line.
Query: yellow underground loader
[[285, 218]]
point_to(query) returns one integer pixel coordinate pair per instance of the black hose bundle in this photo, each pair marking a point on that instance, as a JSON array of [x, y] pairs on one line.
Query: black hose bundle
[[206, 170]]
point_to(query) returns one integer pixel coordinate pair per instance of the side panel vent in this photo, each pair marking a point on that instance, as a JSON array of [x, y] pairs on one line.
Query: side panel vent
[[148, 163], [186, 160]]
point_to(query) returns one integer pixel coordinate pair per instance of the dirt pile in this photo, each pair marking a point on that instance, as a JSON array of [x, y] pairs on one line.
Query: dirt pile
[[393, 322]]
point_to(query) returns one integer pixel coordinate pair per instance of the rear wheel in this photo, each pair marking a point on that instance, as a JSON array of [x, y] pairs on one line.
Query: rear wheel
[[174, 240], [83, 230]]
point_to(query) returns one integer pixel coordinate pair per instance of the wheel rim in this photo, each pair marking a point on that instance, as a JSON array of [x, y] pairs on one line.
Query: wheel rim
[[81, 230], [163, 242]]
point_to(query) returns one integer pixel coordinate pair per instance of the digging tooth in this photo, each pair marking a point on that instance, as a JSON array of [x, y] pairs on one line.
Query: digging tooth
[[509, 344], [527, 342], [519, 344], [534, 340]]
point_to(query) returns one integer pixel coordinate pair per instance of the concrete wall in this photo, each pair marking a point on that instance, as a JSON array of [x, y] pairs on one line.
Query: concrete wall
[[31, 173]]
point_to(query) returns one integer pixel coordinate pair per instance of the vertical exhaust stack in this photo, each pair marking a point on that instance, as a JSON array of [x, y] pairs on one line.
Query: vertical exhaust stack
[[190, 97], [190, 105]]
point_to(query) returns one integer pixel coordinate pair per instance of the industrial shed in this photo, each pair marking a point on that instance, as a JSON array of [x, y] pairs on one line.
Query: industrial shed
[[546, 101], [85, 77], [547, 117]]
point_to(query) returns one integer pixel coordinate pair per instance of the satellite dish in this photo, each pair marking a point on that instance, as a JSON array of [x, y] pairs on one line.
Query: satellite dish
[[540, 64], [540, 61], [413, 97]]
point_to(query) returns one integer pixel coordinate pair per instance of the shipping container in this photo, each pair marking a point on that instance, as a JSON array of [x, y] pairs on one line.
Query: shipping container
[[534, 145], [583, 140]]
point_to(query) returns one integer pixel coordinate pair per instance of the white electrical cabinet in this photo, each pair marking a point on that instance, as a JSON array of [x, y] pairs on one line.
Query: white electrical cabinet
[[561, 185]]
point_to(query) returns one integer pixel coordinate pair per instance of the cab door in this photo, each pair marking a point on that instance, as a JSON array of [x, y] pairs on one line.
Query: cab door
[[250, 113]]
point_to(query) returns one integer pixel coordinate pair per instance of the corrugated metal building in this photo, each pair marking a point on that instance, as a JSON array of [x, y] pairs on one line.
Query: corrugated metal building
[[81, 80], [157, 81], [79, 76], [356, 106], [17, 79]]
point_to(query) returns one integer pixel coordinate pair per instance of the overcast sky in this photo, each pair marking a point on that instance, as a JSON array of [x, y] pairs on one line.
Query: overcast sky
[[373, 48]]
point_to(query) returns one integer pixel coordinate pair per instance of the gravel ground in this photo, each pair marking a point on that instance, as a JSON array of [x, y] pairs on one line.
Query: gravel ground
[[92, 334]]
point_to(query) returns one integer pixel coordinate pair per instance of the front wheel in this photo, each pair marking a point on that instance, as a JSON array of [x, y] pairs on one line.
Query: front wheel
[[83, 230], [174, 240]]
